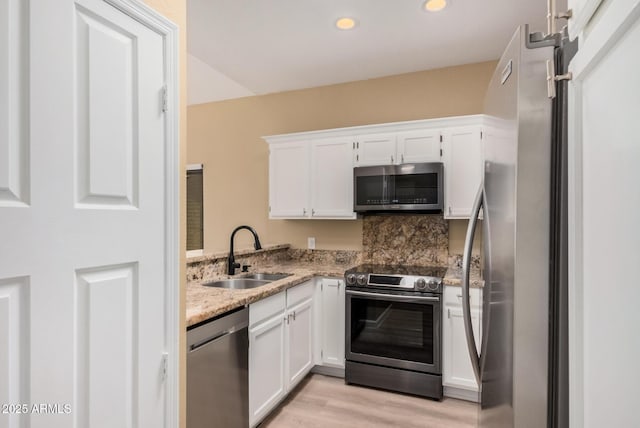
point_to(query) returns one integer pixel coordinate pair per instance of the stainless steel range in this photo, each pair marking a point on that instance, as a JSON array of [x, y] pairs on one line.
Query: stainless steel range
[[393, 329]]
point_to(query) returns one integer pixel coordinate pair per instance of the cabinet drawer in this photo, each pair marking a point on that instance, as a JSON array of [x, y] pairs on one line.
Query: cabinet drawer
[[266, 308], [453, 296], [299, 293]]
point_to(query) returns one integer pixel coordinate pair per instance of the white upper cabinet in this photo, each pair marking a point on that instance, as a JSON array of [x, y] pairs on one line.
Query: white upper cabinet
[[289, 180], [311, 173], [376, 149], [419, 146], [332, 178], [462, 157]]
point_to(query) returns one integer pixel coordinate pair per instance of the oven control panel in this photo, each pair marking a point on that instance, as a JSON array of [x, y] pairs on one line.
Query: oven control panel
[[404, 282]]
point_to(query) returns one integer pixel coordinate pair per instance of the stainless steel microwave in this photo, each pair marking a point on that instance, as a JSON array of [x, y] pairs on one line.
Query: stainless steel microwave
[[406, 187]]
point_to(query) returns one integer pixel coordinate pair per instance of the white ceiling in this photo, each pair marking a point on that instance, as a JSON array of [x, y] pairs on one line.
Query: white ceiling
[[265, 46]]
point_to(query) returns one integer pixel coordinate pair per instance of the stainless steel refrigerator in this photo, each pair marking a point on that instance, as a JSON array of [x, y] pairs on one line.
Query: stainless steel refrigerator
[[522, 365]]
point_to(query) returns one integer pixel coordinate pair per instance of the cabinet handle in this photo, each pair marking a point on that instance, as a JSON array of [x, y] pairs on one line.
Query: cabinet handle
[[313, 212], [391, 159], [304, 211], [401, 158], [287, 319], [448, 313], [449, 210], [294, 316]]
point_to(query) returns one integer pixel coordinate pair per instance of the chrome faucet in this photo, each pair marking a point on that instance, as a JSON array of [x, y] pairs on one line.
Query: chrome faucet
[[231, 260]]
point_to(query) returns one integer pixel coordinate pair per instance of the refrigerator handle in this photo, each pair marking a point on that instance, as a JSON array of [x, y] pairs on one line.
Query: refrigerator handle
[[466, 265]]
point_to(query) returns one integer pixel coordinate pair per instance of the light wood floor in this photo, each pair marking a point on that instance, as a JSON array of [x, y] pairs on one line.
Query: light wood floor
[[326, 402]]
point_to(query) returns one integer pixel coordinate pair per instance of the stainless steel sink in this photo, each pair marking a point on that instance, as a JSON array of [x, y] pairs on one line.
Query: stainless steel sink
[[236, 283], [267, 276]]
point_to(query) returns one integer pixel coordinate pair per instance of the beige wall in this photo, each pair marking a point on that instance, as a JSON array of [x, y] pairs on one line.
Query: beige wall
[[176, 11], [226, 137]]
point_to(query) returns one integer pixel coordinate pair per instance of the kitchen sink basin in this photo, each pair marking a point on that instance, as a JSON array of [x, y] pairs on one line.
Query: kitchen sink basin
[[267, 276], [237, 283]]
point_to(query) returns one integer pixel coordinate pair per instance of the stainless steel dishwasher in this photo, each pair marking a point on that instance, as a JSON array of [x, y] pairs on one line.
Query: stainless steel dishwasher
[[218, 372]]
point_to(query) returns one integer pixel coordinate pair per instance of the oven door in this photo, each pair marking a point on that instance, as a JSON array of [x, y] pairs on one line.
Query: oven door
[[394, 330]]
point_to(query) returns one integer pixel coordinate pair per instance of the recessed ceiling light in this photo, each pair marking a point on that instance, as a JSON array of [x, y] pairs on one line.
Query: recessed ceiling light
[[345, 23], [434, 5]]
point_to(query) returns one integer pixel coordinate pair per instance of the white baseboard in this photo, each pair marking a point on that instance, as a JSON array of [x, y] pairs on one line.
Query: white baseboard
[[461, 394], [328, 371]]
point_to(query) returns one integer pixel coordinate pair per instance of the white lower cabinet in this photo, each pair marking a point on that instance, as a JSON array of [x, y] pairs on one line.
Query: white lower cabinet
[[299, 338], [332, 322], [457, 374], [280, 347]]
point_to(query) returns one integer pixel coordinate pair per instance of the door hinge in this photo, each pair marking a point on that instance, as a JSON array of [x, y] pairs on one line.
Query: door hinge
[[552, 78], [165, 99], [165, 366]]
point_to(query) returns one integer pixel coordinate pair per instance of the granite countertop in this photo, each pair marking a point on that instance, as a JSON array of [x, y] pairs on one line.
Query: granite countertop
[[454, 277], [207, 302]]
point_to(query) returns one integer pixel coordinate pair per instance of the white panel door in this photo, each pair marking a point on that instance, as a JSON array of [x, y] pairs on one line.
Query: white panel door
[[332, 178], [299, 358], [333, 313], [266, 367], [376, 149], [582, 11], [462, 153], [604, 154], [419, 146], [82, 216], [289, 180]]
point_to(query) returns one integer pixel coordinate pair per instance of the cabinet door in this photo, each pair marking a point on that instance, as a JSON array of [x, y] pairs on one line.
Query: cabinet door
[[462, 153], [456, 369], [376, 149], [582, 11], [266, 367], [333, 313], [289, 180], [332, 178], [299, 342], [419, 146]]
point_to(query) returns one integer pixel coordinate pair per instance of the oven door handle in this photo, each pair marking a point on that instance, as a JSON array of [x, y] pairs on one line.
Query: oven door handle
[[394, 297]]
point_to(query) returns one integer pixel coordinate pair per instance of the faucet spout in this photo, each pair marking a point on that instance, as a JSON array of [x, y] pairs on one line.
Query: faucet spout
[[231, 260]]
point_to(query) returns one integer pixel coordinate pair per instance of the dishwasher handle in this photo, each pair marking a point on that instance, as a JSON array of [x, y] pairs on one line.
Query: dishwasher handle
[[204, 342], [217, 329]]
